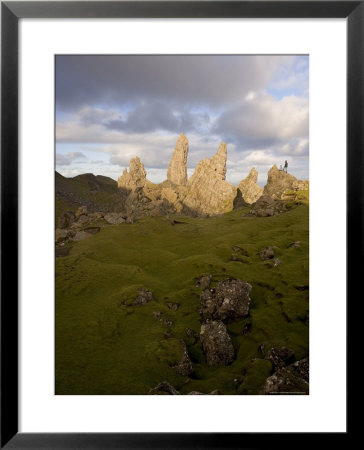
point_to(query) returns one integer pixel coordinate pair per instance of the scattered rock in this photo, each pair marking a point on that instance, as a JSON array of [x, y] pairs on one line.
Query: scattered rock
[[279, 357], [266, 253], [195, 393], [61, 235], [81, 236], [157, 314], [92, 230], [249, 188], [204, 282], [216, 344], [163, 388], [295, 244], [302, 369], [114, 218], [229, 298], [167, 322], [82, 210], [215, 392], [240, 250], [144, 297], [276, 262], [173, 306], [184, 367], [266, 206], [285, 381], [66, 220]]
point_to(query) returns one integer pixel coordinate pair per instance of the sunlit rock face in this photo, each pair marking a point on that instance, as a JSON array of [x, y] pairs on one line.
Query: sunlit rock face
[[279, 182], [136, 177], [177, 169], [249, 188], [207, 190]]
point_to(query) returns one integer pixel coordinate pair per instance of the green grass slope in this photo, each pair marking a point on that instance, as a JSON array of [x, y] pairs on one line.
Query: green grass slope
[[96, 192], [106, 346]]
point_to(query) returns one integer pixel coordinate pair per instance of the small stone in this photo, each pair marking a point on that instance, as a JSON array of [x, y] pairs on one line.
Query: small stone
[[204, 282], [173, 306], [144, 297], [266, 253]]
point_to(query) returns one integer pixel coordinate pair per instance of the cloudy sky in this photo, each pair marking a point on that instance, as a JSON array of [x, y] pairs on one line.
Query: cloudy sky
[[112, 108]]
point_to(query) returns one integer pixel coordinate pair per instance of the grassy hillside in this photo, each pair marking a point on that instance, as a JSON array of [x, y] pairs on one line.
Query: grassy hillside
[[98, 193], [106, 346]]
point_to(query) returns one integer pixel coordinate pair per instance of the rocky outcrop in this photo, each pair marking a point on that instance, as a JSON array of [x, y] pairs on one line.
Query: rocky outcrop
[[288, 380], [136, 177], [279, 182], [216, 344], [250, 190], [207, 190], [230, 298], [163, 388], [266, 206], [279, 357], [177, 169]]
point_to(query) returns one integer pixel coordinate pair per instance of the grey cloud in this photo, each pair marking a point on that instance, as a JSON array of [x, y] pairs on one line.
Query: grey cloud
[[68, 158], [110, 79]]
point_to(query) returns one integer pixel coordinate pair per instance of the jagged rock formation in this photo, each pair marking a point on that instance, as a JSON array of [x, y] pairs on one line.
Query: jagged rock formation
[[250, 190], [177, 169], [279, 182], [207, 190], [136, 177]]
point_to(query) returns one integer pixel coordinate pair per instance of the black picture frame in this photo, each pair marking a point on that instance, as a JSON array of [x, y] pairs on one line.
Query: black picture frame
[[11, 12]]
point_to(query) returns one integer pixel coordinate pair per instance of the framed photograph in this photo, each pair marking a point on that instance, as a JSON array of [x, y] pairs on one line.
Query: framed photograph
[[181, 209]]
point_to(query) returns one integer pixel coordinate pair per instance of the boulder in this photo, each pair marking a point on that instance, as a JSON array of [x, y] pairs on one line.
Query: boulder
[[204, 282], [216, 344], [229, 298], [266, 253], [285, 381], [301, 368], [279, 357], [249, 188], [114, 218], [173, 306], [177, 169], [266, 206], [163, 388], [66, 220], [81, 236], [82, 210], [144, 297]]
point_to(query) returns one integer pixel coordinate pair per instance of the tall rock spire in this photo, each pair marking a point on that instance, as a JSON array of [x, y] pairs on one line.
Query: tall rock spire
[[218, 161], [177, 169], [208, 191]]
